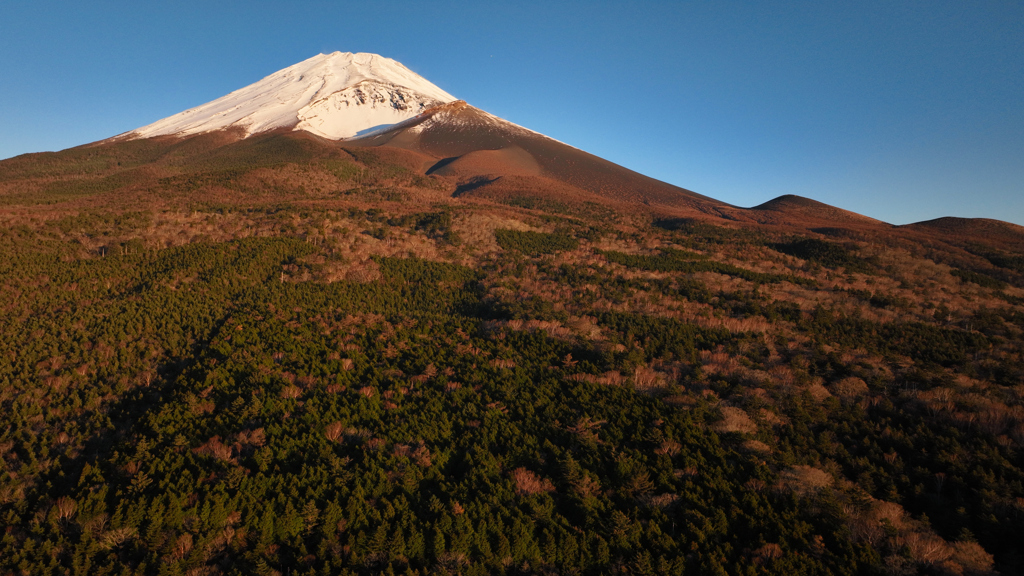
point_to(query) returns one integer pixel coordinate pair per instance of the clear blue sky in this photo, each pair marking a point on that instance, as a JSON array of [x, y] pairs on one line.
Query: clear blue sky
[[903, 111]]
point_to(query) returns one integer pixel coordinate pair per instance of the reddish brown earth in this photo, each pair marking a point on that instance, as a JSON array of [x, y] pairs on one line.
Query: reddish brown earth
[[467, 152], [470, 143]]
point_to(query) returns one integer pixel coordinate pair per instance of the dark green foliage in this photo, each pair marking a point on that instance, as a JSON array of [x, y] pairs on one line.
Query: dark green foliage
[[920, 341], [879, 299], [827, 254], [345, 170], [534, 242], [704, 233], [669, 260], [205, 431], [1013, 262], [664, 338], [437, 225], [942, 471], [979, 279], [535, 203], [672, 260], [260, 152]]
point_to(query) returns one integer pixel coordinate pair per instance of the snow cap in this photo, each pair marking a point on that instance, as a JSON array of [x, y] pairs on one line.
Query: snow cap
[[337, 95]]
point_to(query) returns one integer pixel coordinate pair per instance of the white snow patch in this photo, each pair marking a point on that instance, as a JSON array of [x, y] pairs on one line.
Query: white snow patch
[[333, 95]]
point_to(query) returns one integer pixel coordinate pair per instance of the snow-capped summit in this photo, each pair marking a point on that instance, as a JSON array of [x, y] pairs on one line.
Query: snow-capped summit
[[338, 95]]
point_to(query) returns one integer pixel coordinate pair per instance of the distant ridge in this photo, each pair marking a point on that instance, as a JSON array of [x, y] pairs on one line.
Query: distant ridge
[[993, 231], [968, 225]]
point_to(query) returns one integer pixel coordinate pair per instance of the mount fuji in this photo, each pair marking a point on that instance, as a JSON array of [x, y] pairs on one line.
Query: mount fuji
[[369, 100], [360, 100]]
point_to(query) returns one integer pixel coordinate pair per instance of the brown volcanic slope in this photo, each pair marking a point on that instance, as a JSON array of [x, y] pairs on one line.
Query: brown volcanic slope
[[992, 232], [471, 143], [475, 153]]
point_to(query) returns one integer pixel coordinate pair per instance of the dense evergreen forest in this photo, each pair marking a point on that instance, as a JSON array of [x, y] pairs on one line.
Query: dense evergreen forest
[[272, 360]]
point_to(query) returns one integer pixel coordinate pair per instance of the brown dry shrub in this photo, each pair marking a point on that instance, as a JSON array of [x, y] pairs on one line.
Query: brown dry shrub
[[357, 435], [782, 375], [767, 553], [877, 520], [610, 378], [528, 482], [664, 501], [850, 389], [669, 448], [364, 272], [688, 472], [56, 382], [182, 546], [755, 484], [96, 525], [735, 420], [927, 547], [251, 438], [818, 392], [64, 508], [214, 447], [972, 558], [648, 381], [116, 537], [422, 456], [418, 453], [805, 480], [770, 418], [334, 431], [585, 326], [757, 446]]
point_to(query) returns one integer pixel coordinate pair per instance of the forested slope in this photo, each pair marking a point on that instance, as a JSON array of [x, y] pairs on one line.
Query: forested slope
[[322, 363]]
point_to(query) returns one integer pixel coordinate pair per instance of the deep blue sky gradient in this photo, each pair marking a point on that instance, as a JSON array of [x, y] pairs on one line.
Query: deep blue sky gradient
[[903, 111]]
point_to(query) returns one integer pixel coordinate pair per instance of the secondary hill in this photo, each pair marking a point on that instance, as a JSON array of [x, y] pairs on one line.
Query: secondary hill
[[803, 213], [997, 232]]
